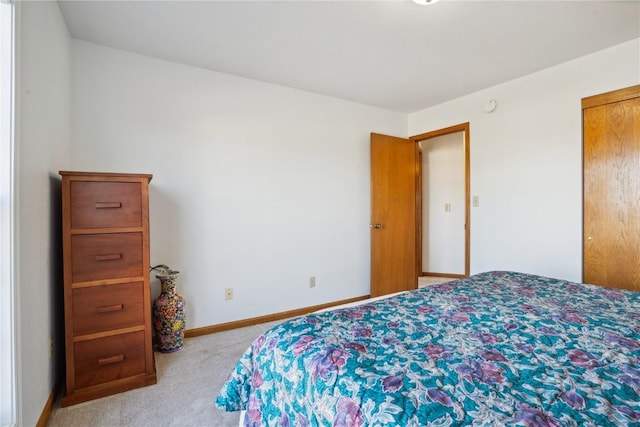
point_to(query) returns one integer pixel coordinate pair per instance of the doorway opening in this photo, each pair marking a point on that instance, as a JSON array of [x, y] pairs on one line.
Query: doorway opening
[[442, 223]]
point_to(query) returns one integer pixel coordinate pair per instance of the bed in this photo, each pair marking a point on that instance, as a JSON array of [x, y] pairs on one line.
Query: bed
[[497, 348]]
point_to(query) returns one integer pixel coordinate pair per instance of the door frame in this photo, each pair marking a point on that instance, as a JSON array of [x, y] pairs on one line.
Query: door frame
[[463, 127]]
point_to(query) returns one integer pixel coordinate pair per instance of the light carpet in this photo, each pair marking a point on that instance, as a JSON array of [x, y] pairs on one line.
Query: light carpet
[[432, 280], [188, 383]]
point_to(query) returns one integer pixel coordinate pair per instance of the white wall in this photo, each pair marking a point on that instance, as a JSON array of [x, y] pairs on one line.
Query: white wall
[[443, 235], [526, 161], [42, 148], [256, 186]]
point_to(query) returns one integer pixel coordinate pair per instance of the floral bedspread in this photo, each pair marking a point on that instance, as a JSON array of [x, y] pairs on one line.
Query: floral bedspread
[[498, 348]]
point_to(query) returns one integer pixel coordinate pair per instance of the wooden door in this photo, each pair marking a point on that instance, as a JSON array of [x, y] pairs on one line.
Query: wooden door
[[394, 173], [611, 176]]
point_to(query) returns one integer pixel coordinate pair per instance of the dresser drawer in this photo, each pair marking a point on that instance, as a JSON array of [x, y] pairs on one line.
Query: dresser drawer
[[102, 308], [106, 256], [109, 358], [105, 204]]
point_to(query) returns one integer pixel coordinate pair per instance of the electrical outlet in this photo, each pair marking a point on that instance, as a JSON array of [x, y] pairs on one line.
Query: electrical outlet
[[447, 207], [50, 345], [228, 293], [476, 201], [312, 281]]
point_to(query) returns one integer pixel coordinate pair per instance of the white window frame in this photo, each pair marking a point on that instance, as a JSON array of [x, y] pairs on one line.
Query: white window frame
[[8, 317]]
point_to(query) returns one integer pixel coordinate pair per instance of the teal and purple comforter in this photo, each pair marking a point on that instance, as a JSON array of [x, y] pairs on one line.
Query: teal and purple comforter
[[498, 348]]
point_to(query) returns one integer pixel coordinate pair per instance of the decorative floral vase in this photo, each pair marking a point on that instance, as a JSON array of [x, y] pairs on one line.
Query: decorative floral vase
[[168, 314]]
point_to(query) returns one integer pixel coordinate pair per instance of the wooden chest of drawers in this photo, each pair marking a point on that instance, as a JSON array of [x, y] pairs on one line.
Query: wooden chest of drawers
[[107, 303]]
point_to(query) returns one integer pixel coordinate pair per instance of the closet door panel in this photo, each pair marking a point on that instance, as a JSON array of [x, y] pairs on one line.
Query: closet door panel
[[611, 245]]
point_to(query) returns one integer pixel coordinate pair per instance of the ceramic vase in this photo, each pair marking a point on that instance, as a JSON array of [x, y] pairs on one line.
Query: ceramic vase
[[168, 314]]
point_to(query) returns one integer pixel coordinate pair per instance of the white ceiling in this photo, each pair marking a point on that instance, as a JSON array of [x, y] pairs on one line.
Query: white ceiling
[[392, 54]]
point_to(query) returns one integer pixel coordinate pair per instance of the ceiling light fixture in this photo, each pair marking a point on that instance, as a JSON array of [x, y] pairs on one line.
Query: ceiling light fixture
[[425, 2]]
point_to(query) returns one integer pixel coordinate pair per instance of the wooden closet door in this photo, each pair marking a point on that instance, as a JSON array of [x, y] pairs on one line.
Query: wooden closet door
[[611, 177]]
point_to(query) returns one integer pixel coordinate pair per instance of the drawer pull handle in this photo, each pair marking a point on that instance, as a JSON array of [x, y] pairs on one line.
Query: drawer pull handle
[[110, 257], [108, 205], [111, 360], [110, 308]]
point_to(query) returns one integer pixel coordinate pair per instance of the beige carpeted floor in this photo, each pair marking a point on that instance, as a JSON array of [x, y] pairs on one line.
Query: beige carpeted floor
[[188, 383], [432, 280]]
